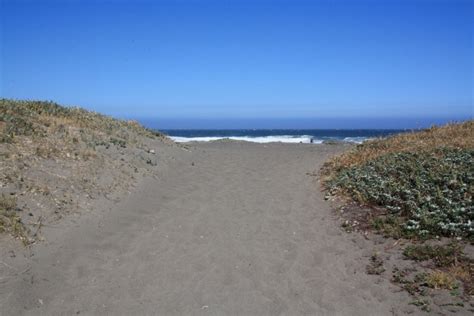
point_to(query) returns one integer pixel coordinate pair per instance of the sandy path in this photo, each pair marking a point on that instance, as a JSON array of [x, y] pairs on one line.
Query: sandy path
[[244, 231]]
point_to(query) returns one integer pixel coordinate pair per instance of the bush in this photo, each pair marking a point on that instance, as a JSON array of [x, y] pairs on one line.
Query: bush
[[430, 189]]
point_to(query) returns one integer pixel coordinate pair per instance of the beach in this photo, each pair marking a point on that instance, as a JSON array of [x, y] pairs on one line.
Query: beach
[[236, 158], [223, 227]]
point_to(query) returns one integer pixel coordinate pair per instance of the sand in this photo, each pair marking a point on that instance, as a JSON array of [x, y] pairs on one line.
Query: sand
[[224, 228]]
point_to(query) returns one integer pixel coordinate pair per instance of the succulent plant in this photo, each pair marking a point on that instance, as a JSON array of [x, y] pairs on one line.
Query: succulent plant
[[431, 189]]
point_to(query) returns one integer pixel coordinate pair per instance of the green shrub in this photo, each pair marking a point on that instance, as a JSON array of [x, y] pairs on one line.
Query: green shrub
[[430, 190]]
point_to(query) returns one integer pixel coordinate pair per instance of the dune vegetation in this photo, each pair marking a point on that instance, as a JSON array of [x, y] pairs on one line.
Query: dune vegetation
[[416, 186], [39, 119], [53, 159], [423, 180]]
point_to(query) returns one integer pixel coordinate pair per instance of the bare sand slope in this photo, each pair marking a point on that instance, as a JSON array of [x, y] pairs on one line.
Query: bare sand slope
[[226, 229]]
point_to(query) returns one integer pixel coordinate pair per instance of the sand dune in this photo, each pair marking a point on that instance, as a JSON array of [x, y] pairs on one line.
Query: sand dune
[[227, 228]]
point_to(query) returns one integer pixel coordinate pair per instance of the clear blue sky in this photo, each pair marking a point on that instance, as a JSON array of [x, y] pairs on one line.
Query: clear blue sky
[[245, 59]]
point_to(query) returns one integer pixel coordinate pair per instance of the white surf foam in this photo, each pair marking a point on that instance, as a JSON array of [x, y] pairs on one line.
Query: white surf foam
[[357, 140], [305, 139]]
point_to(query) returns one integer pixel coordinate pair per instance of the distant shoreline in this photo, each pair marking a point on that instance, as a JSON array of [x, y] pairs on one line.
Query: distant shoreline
[[305, 136]]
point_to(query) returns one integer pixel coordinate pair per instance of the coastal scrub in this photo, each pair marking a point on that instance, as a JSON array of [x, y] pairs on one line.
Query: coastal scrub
[[424, 180], [416, 186], [54, 160], [430, 190]]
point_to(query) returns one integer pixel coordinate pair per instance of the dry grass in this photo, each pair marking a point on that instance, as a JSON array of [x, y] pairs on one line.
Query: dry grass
[[45, 151], [10, 222], [450, 136], [464, 273], [38, 118], [440, 280], [460, 272], [58, 131], [451, 263]]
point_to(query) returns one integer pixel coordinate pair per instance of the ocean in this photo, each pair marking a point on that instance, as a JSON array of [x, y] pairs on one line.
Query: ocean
[[306, 136]]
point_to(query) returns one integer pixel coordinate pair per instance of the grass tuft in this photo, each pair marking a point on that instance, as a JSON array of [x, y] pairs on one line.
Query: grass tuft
[[10, 222], [440, 280]]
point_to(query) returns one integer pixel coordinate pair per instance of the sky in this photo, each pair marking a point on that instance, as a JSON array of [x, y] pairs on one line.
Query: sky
[[184, 61]]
